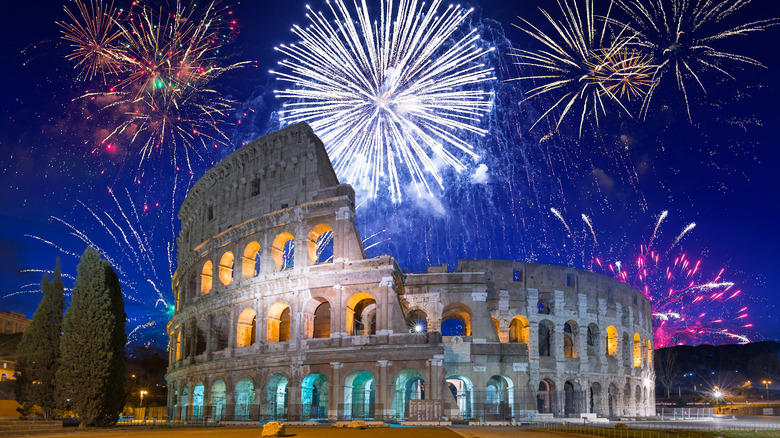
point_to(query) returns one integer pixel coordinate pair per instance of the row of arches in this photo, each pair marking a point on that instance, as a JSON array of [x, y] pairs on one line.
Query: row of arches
[[277, 400], [282, 252], [500, 399], [213, 334]]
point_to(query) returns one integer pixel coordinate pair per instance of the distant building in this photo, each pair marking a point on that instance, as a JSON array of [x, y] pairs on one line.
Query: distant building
[[13, 322]]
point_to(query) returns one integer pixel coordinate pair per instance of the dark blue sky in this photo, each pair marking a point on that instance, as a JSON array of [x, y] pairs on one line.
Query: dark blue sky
[[719, 172]]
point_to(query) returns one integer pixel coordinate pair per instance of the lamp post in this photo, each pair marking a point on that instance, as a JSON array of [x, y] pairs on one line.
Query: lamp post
[[767, 383], [142, 399]]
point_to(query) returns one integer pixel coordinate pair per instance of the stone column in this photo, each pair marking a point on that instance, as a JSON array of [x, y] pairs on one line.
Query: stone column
[[336, 390], [384, 391], [232, 329]]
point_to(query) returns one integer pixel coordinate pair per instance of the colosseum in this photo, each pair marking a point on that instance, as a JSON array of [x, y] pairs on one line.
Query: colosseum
[[281, 315]]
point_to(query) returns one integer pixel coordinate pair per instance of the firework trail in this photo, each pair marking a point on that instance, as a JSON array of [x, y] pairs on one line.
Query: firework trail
[[581, 67], [157, 68], [142, 257], [680, 38], [391, 95], [689, 306]]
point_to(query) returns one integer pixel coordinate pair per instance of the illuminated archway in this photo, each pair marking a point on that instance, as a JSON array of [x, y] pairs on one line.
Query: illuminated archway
[[499, 398], [246, 328], [245, 399], [518, 329], [359, 394], [456, 320], [276, 402], [361, 315], [320, 244], [408, 385], [612, 341], [637, 351], [217, 400], [314, 397], [250, 267], [226, 268], [205, 277], [283, 251], [278, 325]]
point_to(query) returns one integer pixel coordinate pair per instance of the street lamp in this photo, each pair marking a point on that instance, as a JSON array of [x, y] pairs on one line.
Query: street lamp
[[767, 383], [142, 398]]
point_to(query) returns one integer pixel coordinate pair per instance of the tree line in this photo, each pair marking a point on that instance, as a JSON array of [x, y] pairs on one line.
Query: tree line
[[76, 361]]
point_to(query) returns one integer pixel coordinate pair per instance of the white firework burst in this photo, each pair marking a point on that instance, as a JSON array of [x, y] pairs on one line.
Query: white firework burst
[[389, 96]]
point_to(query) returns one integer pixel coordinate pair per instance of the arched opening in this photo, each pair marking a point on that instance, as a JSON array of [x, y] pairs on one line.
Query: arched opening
[[250, 267], [278, 325], [283, 251], [637, 351], [612, 402], [638, 397], [217, 401], [518, 329], [572, 399], [498, 327], [221, 333], [183, 401], [612, 341], [276, 398], [456, 320], [314, 397], [200, 338], [361, 315], [462, 390], [592, 340], [595, 399], [570, 341], [417, 321], [226, 268], [247, 328], [546, 330], [205, 277], [499, 398], [545, 397], [546, 304], [408, 385], [320, 244], [359, 395], [245, 399], [649, 353], [322, 321], [197, 401], [626, 400]]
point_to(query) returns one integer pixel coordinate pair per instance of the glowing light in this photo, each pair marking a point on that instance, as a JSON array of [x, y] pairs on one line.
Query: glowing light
[[390, 96]]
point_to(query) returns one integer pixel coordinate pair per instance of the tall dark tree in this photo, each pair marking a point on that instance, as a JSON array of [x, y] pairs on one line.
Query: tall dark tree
[[38, 353], [91, 374]]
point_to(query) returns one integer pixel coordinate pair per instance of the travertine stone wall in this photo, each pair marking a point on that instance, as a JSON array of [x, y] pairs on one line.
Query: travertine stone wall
[[267, 327]]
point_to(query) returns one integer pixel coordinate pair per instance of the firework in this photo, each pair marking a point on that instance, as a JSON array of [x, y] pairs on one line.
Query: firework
[[157, 68], [689, 306], [581, 67], [390, 95], [143, 259], [679, 36]]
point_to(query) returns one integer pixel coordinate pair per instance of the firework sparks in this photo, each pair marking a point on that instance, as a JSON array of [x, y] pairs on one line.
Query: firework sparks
[[158, 68], [389, 97], [689, 305], [144, 267], [583, 65], [676, 34]]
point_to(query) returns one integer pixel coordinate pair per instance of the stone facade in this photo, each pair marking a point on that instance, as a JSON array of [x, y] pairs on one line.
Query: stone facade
[[280, 315]]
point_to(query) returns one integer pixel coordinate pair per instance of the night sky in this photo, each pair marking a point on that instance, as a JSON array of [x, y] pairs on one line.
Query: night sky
[[719, 171]]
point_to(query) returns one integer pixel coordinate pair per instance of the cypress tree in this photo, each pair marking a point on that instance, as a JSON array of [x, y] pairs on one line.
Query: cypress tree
[[38, 352], [90, 355]]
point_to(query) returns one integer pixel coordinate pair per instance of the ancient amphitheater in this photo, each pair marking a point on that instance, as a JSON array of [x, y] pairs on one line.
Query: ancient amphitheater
[[280, 314]]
